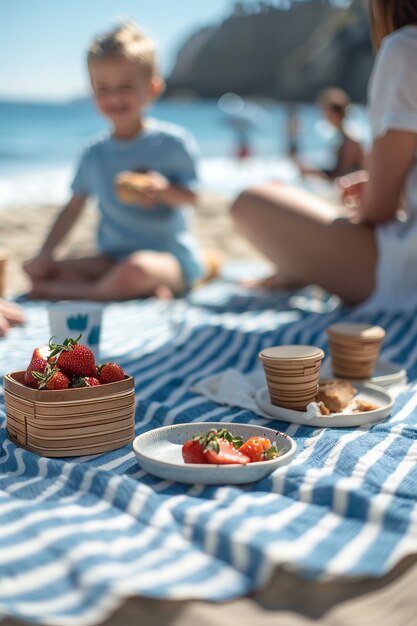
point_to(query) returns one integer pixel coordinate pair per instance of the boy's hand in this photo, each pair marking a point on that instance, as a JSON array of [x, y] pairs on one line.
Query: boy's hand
[[144, 189], [39, 266]]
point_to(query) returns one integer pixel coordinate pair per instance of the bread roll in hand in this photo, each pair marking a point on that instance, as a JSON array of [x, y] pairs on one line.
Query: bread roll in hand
[[131, 187]]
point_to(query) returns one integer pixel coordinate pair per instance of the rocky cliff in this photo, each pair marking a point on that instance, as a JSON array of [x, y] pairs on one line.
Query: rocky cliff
[[287, 54]]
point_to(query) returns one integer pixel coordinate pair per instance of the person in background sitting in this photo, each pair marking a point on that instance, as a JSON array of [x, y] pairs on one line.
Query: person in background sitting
[[349, 157], [143, 173], [370, 257]]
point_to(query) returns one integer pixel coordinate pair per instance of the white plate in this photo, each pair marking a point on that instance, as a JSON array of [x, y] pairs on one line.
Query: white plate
[[385, 374], [159, 452], [366, 392]]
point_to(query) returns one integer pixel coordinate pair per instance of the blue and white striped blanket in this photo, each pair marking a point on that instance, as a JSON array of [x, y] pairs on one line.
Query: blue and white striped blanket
[[78, 535]]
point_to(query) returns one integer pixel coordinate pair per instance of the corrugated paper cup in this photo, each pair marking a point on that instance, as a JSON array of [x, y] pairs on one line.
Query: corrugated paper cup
[[70, 319], [354, 349], [292, 374]]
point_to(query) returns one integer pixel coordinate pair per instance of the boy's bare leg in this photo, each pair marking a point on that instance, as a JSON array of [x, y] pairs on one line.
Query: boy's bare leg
[[301, 234], [140, 275], [88, 268], [70, 269]]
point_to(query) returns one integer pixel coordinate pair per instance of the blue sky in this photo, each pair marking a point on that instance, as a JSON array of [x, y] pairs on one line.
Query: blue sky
[[43, 42]]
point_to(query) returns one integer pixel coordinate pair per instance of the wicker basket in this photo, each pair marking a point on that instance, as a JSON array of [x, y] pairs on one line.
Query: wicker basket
[[71, 422]]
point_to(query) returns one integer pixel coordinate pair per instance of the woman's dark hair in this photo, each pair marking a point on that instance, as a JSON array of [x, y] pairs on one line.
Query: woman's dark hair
[[386, 16]]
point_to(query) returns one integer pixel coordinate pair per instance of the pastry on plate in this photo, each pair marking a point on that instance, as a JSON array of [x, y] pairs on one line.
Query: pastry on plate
[[336, 395]]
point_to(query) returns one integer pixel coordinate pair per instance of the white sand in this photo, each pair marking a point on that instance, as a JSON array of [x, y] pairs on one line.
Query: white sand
[[23, 229]]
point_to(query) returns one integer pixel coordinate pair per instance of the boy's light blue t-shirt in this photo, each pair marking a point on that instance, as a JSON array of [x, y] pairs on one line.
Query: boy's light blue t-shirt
[[124, 228]]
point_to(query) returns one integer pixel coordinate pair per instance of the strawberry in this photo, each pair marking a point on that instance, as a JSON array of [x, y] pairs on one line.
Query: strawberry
[[110, 373], [223, 452], [73, 358], [258, 449], [37, 364], [51, 378], [58, 380], [85, 381], [217, 446], [193, 452]]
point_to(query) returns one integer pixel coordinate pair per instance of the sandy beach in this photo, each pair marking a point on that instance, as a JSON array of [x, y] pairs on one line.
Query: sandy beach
[[22, 230]]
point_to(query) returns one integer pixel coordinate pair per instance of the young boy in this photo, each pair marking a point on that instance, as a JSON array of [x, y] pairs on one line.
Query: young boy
[[143, 173]]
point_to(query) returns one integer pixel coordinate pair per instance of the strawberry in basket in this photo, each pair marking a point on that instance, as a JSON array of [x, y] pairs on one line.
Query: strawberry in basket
[[51, 378], [37, 364], [69, 364], [73, 358]]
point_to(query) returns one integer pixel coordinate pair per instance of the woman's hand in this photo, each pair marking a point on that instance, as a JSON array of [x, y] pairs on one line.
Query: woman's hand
[[352, 187]]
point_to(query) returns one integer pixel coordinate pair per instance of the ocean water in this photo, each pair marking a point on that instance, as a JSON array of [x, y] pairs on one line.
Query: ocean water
[[40, 144]]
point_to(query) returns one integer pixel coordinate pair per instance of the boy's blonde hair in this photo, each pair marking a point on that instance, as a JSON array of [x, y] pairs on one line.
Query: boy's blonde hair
[[126, 42]]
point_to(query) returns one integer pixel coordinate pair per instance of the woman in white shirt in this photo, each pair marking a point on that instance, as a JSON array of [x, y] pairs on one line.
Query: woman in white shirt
[[370, 257]]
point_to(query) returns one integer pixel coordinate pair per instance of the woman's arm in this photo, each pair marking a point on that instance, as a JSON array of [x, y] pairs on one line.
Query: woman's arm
[[389, 162]]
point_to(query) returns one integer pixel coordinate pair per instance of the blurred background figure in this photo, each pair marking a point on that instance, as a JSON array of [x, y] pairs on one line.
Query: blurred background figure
[[349, 155], [231, 71], [245, 118], [293, 128]]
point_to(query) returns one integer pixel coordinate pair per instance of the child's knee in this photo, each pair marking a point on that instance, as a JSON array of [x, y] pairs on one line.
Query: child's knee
[[131, 271]]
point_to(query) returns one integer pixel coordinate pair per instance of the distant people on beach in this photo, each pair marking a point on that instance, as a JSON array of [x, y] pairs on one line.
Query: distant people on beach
[[369, 256], [334, 103], [242, 116], [143, 173], [243, 150], [10, 314]]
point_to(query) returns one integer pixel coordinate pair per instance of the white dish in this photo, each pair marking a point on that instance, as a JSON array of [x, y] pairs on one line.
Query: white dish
[[385, 374], [366, 392], [159, 453]]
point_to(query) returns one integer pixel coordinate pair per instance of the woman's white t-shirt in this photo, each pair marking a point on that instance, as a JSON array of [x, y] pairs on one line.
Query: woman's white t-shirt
[[393, 106]]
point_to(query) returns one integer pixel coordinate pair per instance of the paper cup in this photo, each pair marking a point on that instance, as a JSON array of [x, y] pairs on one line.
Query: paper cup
[[70, 319], [292, 374], [354, 349]]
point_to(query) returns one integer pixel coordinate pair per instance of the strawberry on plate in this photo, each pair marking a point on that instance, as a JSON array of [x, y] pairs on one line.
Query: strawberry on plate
[[217, 447], [193, 451], [223, 452], [38, 364]]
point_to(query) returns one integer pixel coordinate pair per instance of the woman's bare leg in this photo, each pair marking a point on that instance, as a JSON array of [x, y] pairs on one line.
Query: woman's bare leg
[[307, 241], [140, 275]]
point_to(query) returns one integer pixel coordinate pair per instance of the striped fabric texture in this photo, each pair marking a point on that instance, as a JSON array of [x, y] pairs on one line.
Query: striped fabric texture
[[78, 535]]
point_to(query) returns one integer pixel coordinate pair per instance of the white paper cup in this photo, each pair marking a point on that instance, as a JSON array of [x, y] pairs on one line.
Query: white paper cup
[[70, 319]]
